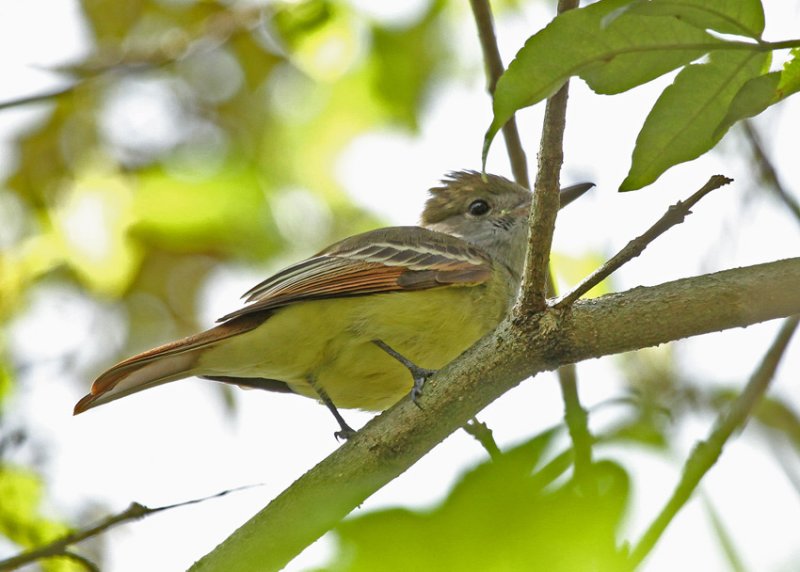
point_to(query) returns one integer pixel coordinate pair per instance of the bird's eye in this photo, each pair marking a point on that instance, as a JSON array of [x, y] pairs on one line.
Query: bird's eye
[[478, 207]]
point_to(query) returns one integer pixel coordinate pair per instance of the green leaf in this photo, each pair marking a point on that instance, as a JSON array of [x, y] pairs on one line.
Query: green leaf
[[739, 17], [682, 124], [763, 91], [6, 383], [612, 54], [500, 521], [403, 63], [21, 491], [223, 213]]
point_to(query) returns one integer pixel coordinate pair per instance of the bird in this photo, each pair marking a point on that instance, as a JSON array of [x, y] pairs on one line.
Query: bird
[[363, 322]]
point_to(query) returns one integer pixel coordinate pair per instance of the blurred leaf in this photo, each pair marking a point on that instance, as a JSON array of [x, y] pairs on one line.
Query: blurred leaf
[[612, 54], [41, 163], [739, 17], [570, 270], [500, 521], [223, 213], [20, 519], [772, 413], [323, 38], [91, 232], [6, 384], [644, 430], [403, 62], [682, 124], [110, 21], [256, 62], [294, 20], [763, 91]]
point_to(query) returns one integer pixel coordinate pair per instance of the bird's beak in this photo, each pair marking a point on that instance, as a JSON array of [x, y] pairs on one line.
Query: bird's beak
[[522, 209]]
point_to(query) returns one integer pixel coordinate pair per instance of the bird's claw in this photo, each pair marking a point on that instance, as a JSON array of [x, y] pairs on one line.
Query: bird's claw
[[419, 374]]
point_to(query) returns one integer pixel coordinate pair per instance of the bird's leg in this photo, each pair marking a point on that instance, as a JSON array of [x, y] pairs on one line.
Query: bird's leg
[[420, 374], [346, 431]]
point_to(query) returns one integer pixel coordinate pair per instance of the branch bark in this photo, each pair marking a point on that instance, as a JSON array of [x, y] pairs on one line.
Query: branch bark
[[519, 348]]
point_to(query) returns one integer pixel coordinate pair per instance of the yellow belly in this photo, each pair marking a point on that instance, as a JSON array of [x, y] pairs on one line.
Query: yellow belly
[[330, 341]]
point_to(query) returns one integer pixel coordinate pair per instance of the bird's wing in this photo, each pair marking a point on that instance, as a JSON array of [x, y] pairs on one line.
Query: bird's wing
[[385, 260]]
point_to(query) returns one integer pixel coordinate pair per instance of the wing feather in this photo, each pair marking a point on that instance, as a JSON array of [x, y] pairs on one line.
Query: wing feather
[[384, 260]]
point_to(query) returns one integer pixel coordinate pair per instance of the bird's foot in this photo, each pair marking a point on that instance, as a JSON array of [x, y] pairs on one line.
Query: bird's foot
[[344, 433], [419, 374]]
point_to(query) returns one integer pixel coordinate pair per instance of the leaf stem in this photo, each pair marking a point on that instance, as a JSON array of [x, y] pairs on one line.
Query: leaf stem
[[675, 215]]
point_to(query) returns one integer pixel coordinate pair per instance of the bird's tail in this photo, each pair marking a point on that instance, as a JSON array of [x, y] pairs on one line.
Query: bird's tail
[[170, 362]]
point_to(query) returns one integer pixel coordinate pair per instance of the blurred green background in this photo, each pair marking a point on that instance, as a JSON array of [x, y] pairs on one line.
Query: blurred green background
[[186, 141]]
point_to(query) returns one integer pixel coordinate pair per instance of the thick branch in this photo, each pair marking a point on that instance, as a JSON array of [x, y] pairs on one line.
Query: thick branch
[[396, 439]]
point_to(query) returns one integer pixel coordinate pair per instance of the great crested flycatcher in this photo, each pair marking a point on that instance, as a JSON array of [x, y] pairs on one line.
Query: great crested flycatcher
[[336, 326]]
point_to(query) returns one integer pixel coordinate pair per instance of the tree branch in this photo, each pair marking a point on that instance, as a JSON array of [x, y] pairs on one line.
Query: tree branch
[[60, 547], [397, 438], [544, 207], [494, 69], [705, 453], [484, 436], [675, 215], [767, 171]]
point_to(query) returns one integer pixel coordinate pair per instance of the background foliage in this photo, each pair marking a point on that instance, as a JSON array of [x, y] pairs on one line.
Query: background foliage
[[195, 139]]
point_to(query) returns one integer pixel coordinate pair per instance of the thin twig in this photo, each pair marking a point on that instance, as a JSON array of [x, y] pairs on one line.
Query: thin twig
[[82, 560], [494, 69], [60, 547], [545, 204], [706, 453], [732, 556], [216, 29], [38, 97], [577, 420], [792, 475], [575, 415], [767, 170], [484, 436], [675, 215]]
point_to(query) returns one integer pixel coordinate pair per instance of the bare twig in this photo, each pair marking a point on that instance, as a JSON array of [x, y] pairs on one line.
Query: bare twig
[[82, 560], [767, 170], [732, 556], [545, 205], [60, 547], [706, 453], [216, 29], [577, 419], [674, 215], [484, 436], [494, 69], [575, 415], [38, 97]]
